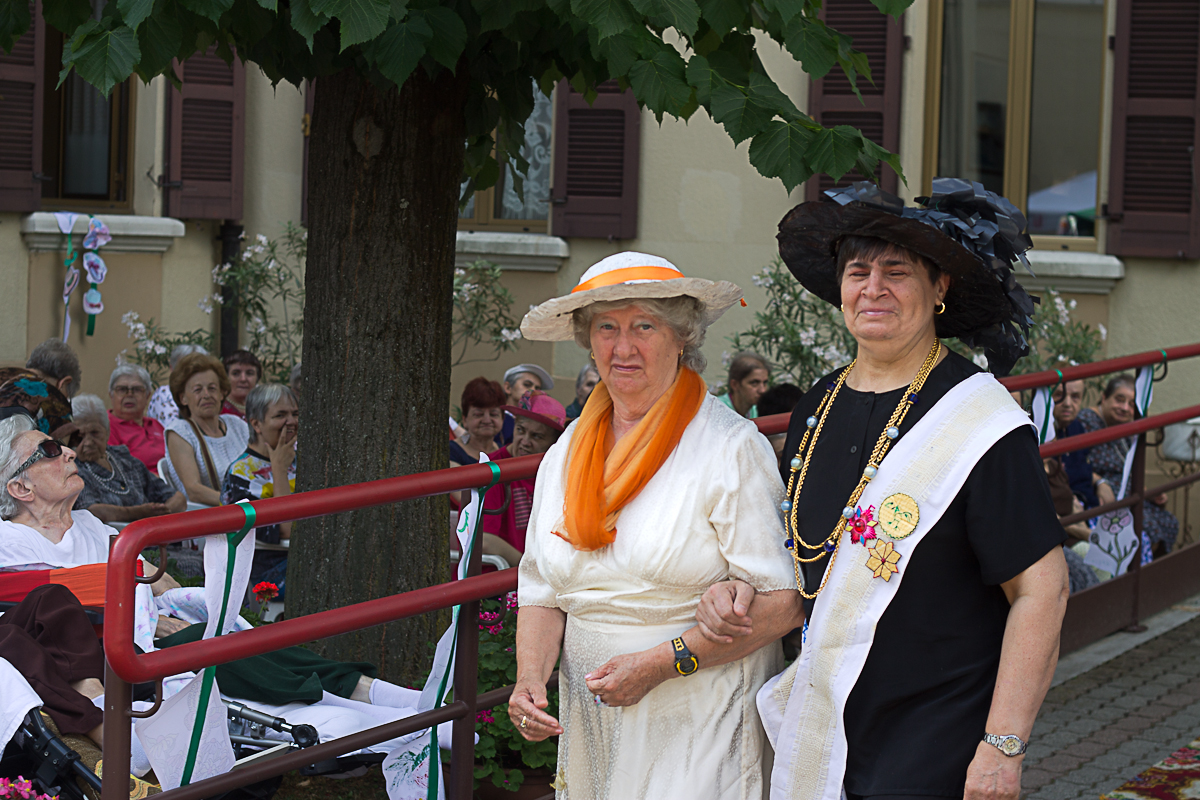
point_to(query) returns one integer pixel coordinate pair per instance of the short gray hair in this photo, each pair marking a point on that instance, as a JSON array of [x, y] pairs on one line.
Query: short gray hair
[[587, 369], [10, 458], [55, 358], [260, 400], [89, 406], [181, 350], [684, 315], [124, 370]]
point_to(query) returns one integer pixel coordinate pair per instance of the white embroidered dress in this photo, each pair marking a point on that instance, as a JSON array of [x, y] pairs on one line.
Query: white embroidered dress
[[710, 513]]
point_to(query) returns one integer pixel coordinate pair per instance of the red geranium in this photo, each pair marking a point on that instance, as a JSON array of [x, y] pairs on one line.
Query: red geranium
[[265, 591]]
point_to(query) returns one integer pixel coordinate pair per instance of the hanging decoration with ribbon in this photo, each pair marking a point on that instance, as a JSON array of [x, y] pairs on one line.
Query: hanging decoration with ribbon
[[66, 222], [1043, 410], [97, 236]]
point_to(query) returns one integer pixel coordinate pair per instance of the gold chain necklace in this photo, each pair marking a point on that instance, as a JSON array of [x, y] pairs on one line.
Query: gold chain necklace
[[799, 467]]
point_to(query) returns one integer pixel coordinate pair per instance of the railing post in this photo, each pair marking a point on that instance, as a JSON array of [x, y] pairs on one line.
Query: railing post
[[117, 699], [1138, 485], [461, 783]]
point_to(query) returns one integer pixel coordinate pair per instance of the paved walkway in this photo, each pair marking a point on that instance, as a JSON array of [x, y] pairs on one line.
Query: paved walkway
[[1104, 726]]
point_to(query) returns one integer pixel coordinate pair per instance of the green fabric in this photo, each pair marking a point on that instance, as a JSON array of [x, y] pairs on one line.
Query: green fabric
[[292, 675], [728, 400]]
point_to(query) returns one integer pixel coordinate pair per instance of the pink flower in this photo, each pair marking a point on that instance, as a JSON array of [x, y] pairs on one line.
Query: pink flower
[[861, 526], [484, 716]]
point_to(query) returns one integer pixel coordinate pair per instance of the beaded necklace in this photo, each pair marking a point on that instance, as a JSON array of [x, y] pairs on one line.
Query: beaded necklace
[[799, 469], [117, 477]]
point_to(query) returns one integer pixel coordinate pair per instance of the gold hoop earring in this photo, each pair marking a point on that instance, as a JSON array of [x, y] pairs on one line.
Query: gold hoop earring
[[842, 308], [592, 355], [940, 308]]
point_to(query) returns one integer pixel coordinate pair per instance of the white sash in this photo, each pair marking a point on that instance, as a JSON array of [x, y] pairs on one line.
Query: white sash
[[802, 708]]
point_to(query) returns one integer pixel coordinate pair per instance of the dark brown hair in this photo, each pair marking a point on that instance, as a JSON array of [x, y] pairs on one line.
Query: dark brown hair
[[482, 393], [191, 365], [243, 357], [868, 248], [744, 363], [1117, 382]]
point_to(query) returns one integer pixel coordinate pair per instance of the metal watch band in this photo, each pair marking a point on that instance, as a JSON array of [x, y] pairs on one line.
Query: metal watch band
[[685, 662], [1010, 745]]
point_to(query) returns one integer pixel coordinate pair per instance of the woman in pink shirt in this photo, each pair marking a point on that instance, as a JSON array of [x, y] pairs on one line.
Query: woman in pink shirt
[[129, 389]]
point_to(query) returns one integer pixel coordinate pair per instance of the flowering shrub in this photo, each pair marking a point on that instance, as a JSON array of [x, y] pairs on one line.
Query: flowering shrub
[[1055, 337], [23, 789], [152, 345], [482, 313], [502, 751]]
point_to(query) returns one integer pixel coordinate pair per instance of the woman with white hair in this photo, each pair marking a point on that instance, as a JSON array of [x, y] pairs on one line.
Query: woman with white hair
[[162, 404], [129, 389], [117, 487], [656, 492]]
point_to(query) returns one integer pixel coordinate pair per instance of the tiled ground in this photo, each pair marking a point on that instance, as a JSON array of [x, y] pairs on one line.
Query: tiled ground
[[1102, 728]]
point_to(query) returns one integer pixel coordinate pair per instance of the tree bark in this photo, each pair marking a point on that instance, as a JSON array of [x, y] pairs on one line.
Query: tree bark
[[384, 171]]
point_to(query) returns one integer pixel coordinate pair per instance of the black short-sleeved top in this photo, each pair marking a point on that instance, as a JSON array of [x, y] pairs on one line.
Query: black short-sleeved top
[[919, 708]]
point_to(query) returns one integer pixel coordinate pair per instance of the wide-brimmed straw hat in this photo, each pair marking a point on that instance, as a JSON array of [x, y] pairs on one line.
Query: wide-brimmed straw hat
[[626, 276], [541, 407], [971, 234]]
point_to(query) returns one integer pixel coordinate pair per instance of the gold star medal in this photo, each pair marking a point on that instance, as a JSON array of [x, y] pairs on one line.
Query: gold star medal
[[882, 558]]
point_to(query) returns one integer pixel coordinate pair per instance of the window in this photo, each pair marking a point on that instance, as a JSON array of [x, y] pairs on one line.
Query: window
[[1017, 105], [499, 208]]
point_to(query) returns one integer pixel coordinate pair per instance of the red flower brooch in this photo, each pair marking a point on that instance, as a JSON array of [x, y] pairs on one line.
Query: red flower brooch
[[861, 526]]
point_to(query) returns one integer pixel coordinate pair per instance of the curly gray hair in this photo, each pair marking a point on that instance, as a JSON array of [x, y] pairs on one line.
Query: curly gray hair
[[10, 458], [683, 315]]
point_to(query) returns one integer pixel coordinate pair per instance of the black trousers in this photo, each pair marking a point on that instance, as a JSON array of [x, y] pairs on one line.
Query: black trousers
[[51, 642]]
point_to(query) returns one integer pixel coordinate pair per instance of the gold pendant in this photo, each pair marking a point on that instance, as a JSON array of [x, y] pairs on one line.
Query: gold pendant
[[882, 560], [898, 516]]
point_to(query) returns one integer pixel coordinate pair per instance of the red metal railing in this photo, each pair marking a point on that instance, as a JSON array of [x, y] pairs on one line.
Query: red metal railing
[[125, 665]]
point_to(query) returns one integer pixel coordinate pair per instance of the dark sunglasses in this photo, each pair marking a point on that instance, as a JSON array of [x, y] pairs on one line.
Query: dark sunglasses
[[47, 448]]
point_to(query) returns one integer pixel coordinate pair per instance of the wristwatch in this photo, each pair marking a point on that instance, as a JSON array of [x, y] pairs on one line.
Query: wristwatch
[[685, 662], [1010, 745]]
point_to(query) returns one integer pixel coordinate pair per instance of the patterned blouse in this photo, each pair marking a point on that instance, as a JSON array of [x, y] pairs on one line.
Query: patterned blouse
[[249, 478], [128, 483]]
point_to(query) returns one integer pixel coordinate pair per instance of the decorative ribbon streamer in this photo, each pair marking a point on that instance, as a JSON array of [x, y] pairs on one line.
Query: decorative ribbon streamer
[[1043, 410], [209, 674], [66, 222]]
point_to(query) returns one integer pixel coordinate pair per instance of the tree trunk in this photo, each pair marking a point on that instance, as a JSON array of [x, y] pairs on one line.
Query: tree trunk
[[383, 209]]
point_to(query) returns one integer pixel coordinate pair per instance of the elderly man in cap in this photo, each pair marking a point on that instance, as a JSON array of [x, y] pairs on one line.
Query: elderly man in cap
[[519, 381]]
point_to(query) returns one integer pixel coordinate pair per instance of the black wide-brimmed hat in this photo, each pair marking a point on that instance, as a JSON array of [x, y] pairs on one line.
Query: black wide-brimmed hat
[[971, 234]]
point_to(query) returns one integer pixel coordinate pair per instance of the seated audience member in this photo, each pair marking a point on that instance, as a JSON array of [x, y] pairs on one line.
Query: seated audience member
[[517, 381], [55, 361], [1068, 400], [267, 469], [294, 378], [117, 487], [1107, 461], [584, 384], [244, 371], [203, 442], [749, 377], [483, 417], [41, 485], [45, 404], [779, 399], [540, 420], [162, 405], [1066, 503], [129, 389]]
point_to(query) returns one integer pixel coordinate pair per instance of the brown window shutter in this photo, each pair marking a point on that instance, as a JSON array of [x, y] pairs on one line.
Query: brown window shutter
[[310, 88], [22, 84], [596, 152], [831, 100], [1153, 194], [207, 139]]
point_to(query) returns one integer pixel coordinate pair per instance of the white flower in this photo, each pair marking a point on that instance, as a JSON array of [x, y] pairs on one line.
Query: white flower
[[508, 335], [261, 239], [159, 349], [129, 317], [459, 272], [205, 304], [272, 264], [808, 337], [1103, 332], [726, 357], [1064, 315], [762, 282]]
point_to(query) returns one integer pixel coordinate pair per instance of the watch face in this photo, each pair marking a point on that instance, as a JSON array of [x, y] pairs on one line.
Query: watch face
[[1010, 746]]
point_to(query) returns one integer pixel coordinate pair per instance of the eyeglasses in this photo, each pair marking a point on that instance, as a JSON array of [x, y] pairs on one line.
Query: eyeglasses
[[121, 391], [47, 448]]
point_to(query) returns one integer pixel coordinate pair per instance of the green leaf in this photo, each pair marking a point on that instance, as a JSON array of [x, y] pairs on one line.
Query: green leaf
[[494, 15], [305, 21], [14, 21], [893, 7], [660, 83], [682, 15], [609, 17], [812, 44], [398, 50], [269, 5], [779, 152], [834, 151], [772, 97], [134, 11], [361, 20], [67, 15], [723, 15], [159, 39], [209, 9], [449, 36], [104, 58], [703, 78], [742, 115], [787, 9]]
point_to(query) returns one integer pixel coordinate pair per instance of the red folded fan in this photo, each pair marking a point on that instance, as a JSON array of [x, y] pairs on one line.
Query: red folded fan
[[86, 583]]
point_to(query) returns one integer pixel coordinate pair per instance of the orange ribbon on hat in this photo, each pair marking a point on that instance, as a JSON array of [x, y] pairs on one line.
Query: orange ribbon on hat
[[613, 277]]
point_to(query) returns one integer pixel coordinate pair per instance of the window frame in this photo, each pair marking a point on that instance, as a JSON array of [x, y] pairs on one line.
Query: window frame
[[1017, 116]]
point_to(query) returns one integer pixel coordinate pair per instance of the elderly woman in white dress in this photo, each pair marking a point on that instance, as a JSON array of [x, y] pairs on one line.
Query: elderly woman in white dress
[[654, 494]]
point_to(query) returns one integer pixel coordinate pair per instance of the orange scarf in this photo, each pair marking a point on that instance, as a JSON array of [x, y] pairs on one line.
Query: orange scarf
[[603, 478]]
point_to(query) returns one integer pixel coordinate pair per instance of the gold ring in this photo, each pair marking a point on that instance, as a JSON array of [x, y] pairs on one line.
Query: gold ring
[[524, 719]]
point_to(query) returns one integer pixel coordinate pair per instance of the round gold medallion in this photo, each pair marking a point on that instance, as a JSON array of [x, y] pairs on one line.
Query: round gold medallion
[[898, 516]]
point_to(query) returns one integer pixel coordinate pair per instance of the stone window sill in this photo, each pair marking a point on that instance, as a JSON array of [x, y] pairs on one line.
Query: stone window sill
[[1074, 272], [531, 252], [131, 234]]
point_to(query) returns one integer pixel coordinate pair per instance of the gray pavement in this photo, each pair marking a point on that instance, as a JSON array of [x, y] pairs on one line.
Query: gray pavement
[[1112, 714]]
